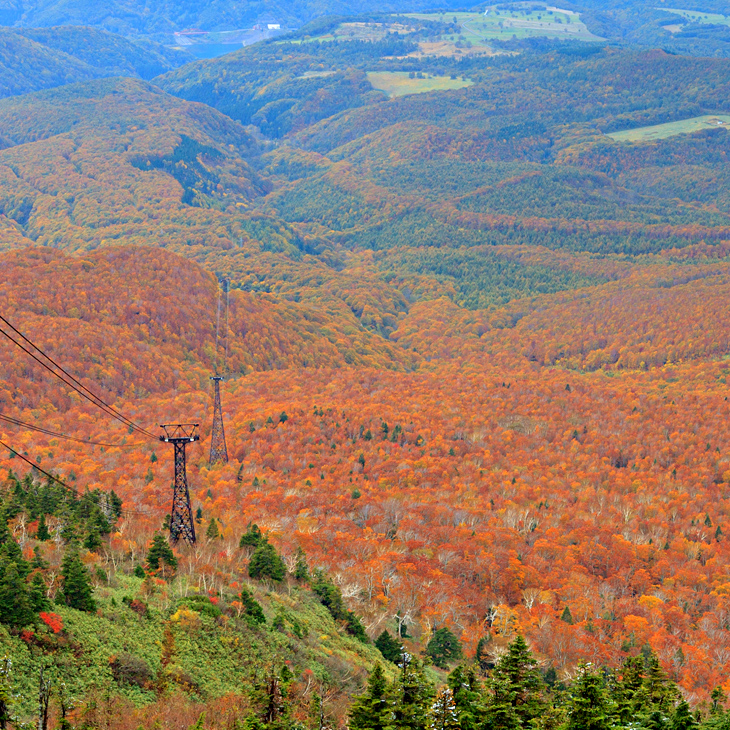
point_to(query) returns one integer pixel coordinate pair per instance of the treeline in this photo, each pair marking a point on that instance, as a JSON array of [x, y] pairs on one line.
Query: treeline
[[514, 692], [82, 522]]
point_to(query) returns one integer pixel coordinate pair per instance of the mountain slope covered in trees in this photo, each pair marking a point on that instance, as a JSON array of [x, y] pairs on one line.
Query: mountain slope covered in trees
[[39, 58], [475, 358]]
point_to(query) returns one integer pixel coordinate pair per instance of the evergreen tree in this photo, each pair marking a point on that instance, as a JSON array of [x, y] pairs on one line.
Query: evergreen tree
[[160, 554], [37, 594], [301, 571], [627, 695], [718, 698], [38, 563], [659, 692], [682, 718], [500, 710], [589, 707], [5, 535], [15, 607], [389, 647], [212, 532], [266, 563], [42, 534], [518, 669], [443, 647], [370, 710], [409, 697], [77, 591], [92, 541], [467, 697], [252, 538], [252, 608], [251, 722], [482, 655], [11, 553], [331, 598]]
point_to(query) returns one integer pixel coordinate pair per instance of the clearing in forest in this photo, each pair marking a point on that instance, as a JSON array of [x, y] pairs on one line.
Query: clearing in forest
[[400, 83], [696, 17], [672, 129], [501, 24]]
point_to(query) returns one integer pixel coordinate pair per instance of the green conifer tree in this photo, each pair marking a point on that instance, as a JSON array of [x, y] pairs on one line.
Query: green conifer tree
[[6, 693], [500, 710], [5, 535], [521, 673], [409, 697], [160, 554], [212, 532], [15, 607], [589, 707], [266, 563], [659, 692], [77, 591], [484, 660], [252, 538], [37, 594], [443, 647], [92, 541], [42, 533], [683, 719], [627, 695], [252, 608], [301, 571], [467, 697], [389, 647], [370, 710]]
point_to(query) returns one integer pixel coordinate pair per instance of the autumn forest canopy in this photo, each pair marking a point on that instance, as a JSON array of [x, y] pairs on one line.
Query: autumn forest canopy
[[465, 273]]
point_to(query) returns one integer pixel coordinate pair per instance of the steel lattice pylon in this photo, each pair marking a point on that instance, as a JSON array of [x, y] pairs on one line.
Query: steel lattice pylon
[[181, 513], [218, 450]]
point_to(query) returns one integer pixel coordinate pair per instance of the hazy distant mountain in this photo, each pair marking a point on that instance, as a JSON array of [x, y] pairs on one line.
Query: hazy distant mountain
[[162, 17]]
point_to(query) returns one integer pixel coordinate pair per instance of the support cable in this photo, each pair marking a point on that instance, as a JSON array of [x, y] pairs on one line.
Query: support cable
[[228, 299], [71, 489], [75, 384], [55, 434], [217, 327]]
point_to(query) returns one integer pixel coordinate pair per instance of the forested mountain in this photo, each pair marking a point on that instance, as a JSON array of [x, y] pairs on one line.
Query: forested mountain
[[660, 25], [39, 58], [154, 18], [475, 345]]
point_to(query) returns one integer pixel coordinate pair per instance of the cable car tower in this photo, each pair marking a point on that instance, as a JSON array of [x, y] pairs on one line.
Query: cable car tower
[[218, 449], [181, 513]]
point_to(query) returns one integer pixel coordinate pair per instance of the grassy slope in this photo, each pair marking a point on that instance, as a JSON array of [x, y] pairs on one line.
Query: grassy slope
[[672, 129], [399, 83], [216, 656]]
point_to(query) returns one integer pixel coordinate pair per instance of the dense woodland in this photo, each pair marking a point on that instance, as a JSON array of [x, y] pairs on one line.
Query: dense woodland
[[475, 356]]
